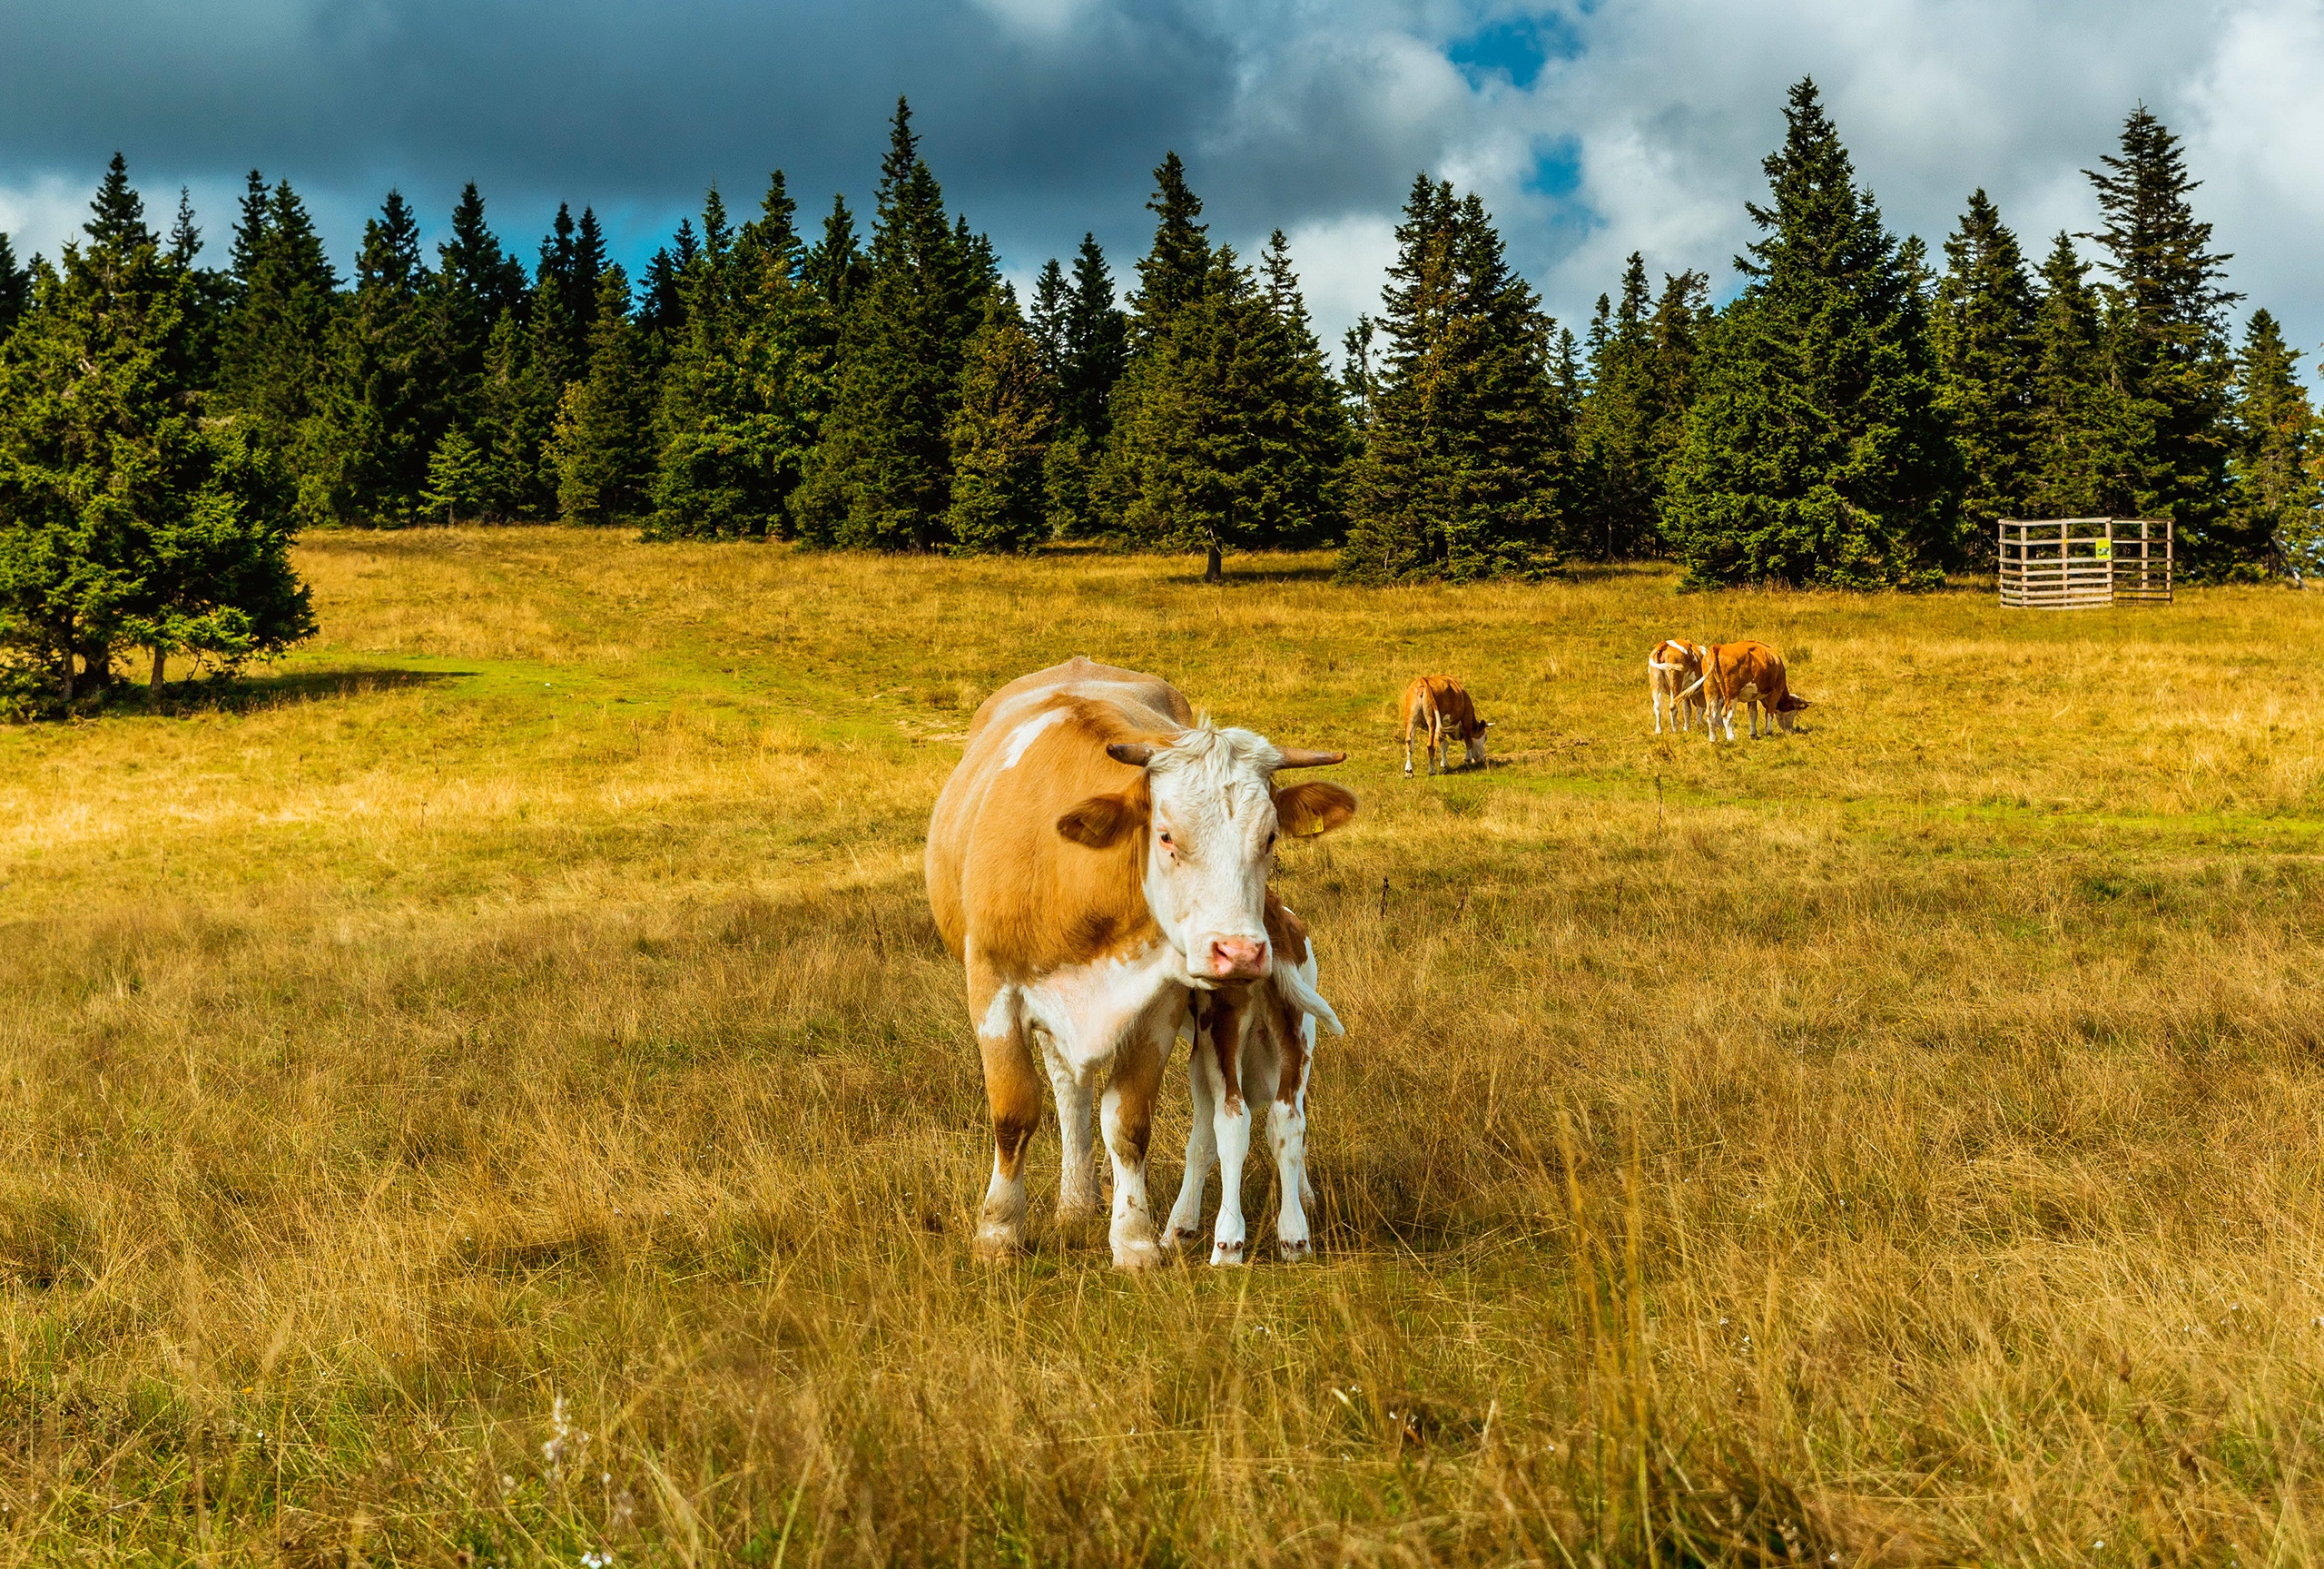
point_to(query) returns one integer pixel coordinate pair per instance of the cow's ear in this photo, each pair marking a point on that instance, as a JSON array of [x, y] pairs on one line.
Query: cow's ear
[[1791, 702], [1101, 822], [1301, 810]]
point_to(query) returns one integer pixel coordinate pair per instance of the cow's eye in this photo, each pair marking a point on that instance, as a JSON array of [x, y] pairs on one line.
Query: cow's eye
[[1271, 833], [1168, 842]]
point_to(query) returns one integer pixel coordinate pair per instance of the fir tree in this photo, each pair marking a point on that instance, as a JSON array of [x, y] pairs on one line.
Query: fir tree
[[1045, 318], [516, 408], [1619, 459], [1815, 452], [125, 517], [1468, 446], [1358, 383], [2166, 347], [746, 382], [603, 448], [1173, 272], [212, 296], [285, 297], [2276, 444], [474, 283], [364, 455], [1984, 331], [835, 266], [1228, 432], [458, 477], [16, 289], [1088, 350], [881, 476], [2084, 434], [1000, 434]]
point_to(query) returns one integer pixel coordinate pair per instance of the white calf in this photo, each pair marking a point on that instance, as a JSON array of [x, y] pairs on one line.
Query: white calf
[[1262, 1037]]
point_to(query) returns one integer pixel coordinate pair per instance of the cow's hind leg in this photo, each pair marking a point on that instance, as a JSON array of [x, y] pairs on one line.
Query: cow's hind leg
[[1128, 1113], [1013, 1088], [1202, 1148]]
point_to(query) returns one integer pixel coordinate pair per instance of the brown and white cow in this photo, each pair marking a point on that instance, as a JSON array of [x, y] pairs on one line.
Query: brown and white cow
[[1097, 853], [1440, 706], [1751, 674], [1674, 674], [1254, 1041]]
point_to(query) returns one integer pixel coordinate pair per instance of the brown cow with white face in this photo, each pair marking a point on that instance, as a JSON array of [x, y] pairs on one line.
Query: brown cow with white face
[[1440, 707], [1751, 674], [1098, 854]]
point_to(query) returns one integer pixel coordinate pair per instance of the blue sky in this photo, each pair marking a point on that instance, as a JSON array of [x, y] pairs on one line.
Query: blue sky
[[1590, 129]]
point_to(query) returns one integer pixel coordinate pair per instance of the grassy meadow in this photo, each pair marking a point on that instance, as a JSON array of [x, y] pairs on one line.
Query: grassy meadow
[[488, 1091]]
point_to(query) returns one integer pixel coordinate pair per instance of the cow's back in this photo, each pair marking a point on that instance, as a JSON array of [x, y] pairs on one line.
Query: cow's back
[[999, 876], [1747, 666]]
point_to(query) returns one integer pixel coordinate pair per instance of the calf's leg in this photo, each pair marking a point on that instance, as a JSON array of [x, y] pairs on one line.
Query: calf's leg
[[1230, 1122], [1077, 1180], [1202, 1148]]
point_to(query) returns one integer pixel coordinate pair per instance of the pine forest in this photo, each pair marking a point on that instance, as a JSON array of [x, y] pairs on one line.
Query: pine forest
[[1858, 414]]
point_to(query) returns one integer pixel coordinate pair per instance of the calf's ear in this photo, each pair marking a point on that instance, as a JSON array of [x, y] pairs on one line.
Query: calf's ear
[[1302, 810], [1101, 822]]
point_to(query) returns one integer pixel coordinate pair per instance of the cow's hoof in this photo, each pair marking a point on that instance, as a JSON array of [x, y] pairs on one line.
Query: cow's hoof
[[995, 1245], [1226, 1253], [1177, 1237], [1295, 1252], [1138, 1253]]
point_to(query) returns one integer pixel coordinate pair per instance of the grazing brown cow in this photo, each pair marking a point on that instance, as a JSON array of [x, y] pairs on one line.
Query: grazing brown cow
[[1255, 1041], [1750, 674], [1097, 853], [1674, 678], [1440, 706]]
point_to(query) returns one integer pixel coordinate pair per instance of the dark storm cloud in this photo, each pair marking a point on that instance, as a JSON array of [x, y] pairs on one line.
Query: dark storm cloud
[[1041, 121]]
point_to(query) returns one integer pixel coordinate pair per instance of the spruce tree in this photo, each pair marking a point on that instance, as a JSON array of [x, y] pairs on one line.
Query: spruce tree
[[1000, 435], [2276, 440], [208, 303], [1619, 462], [364, 453], [474, 282], [603, 448], [15, 288], [2166, 346], [1358, 383], [125, 518], [1228, 433], [458, 478], [2085, 431], [1815, 452], [1468, 447], [1173, 272], [881, 475], [745, 381], [1984, 331], [285, 298], [1088, 355], [835, 265], [515, 411]]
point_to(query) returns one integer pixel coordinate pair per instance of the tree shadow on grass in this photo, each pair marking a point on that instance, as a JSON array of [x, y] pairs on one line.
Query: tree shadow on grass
[[1253, 576], [256, 694]]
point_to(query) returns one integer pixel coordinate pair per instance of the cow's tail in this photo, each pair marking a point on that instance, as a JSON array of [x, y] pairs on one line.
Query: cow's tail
[[1304, 995]]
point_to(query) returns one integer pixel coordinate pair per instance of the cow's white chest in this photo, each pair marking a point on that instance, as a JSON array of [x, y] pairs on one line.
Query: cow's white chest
[[1085, 1010]]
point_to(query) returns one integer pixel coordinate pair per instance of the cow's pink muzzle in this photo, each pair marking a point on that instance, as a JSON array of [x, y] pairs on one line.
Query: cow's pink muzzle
[[1235, 958]]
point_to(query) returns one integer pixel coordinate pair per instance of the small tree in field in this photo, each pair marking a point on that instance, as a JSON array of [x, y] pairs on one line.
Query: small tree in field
[[456, 478]]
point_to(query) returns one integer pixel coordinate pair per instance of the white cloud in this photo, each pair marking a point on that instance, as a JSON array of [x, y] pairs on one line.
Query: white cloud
[[41, 214], [1341, 262]]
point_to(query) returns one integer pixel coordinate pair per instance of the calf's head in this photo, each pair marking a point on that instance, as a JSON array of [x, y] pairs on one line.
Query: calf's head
[[1211, 814]]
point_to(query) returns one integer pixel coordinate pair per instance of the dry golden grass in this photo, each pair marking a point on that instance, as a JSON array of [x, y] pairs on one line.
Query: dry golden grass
[[1894, 1143]]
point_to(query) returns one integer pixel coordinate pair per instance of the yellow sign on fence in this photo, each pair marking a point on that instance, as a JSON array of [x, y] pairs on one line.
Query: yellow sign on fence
[[2104, 549]]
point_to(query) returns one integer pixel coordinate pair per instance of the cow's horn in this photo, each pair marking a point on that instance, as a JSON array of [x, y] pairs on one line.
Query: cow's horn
[[1136, 753], [1301, 757]]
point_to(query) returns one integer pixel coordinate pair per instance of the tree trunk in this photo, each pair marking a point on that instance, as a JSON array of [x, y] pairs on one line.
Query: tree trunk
[[1214, 567], [160, 657]]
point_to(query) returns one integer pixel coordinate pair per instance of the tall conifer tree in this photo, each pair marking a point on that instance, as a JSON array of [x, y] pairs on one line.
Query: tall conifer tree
[[365, 451], [2276, 444], [1815, 452], [15, 288], [1620, 458], [1984, 327], [881, 476], [2166, 346], [603, 448], [275, 342], [474, 282], [1000, 435], [1468, 449]]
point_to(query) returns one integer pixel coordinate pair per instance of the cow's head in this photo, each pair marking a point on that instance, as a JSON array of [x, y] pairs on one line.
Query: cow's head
[[1473, 734], [1211, 814]]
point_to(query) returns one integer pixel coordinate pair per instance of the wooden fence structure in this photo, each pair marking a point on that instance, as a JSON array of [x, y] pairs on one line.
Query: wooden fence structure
[[2083, 563]]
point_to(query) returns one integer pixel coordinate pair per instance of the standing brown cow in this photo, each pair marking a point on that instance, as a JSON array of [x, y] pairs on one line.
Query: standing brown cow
[[1750, 674], [1098, 854], [1440, 704]]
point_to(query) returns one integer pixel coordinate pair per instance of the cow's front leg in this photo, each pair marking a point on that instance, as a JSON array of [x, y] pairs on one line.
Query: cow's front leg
[[1202, 1148], [1127, 1114], [1287, 1133], [1077, 1180], [1013, 1090]]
